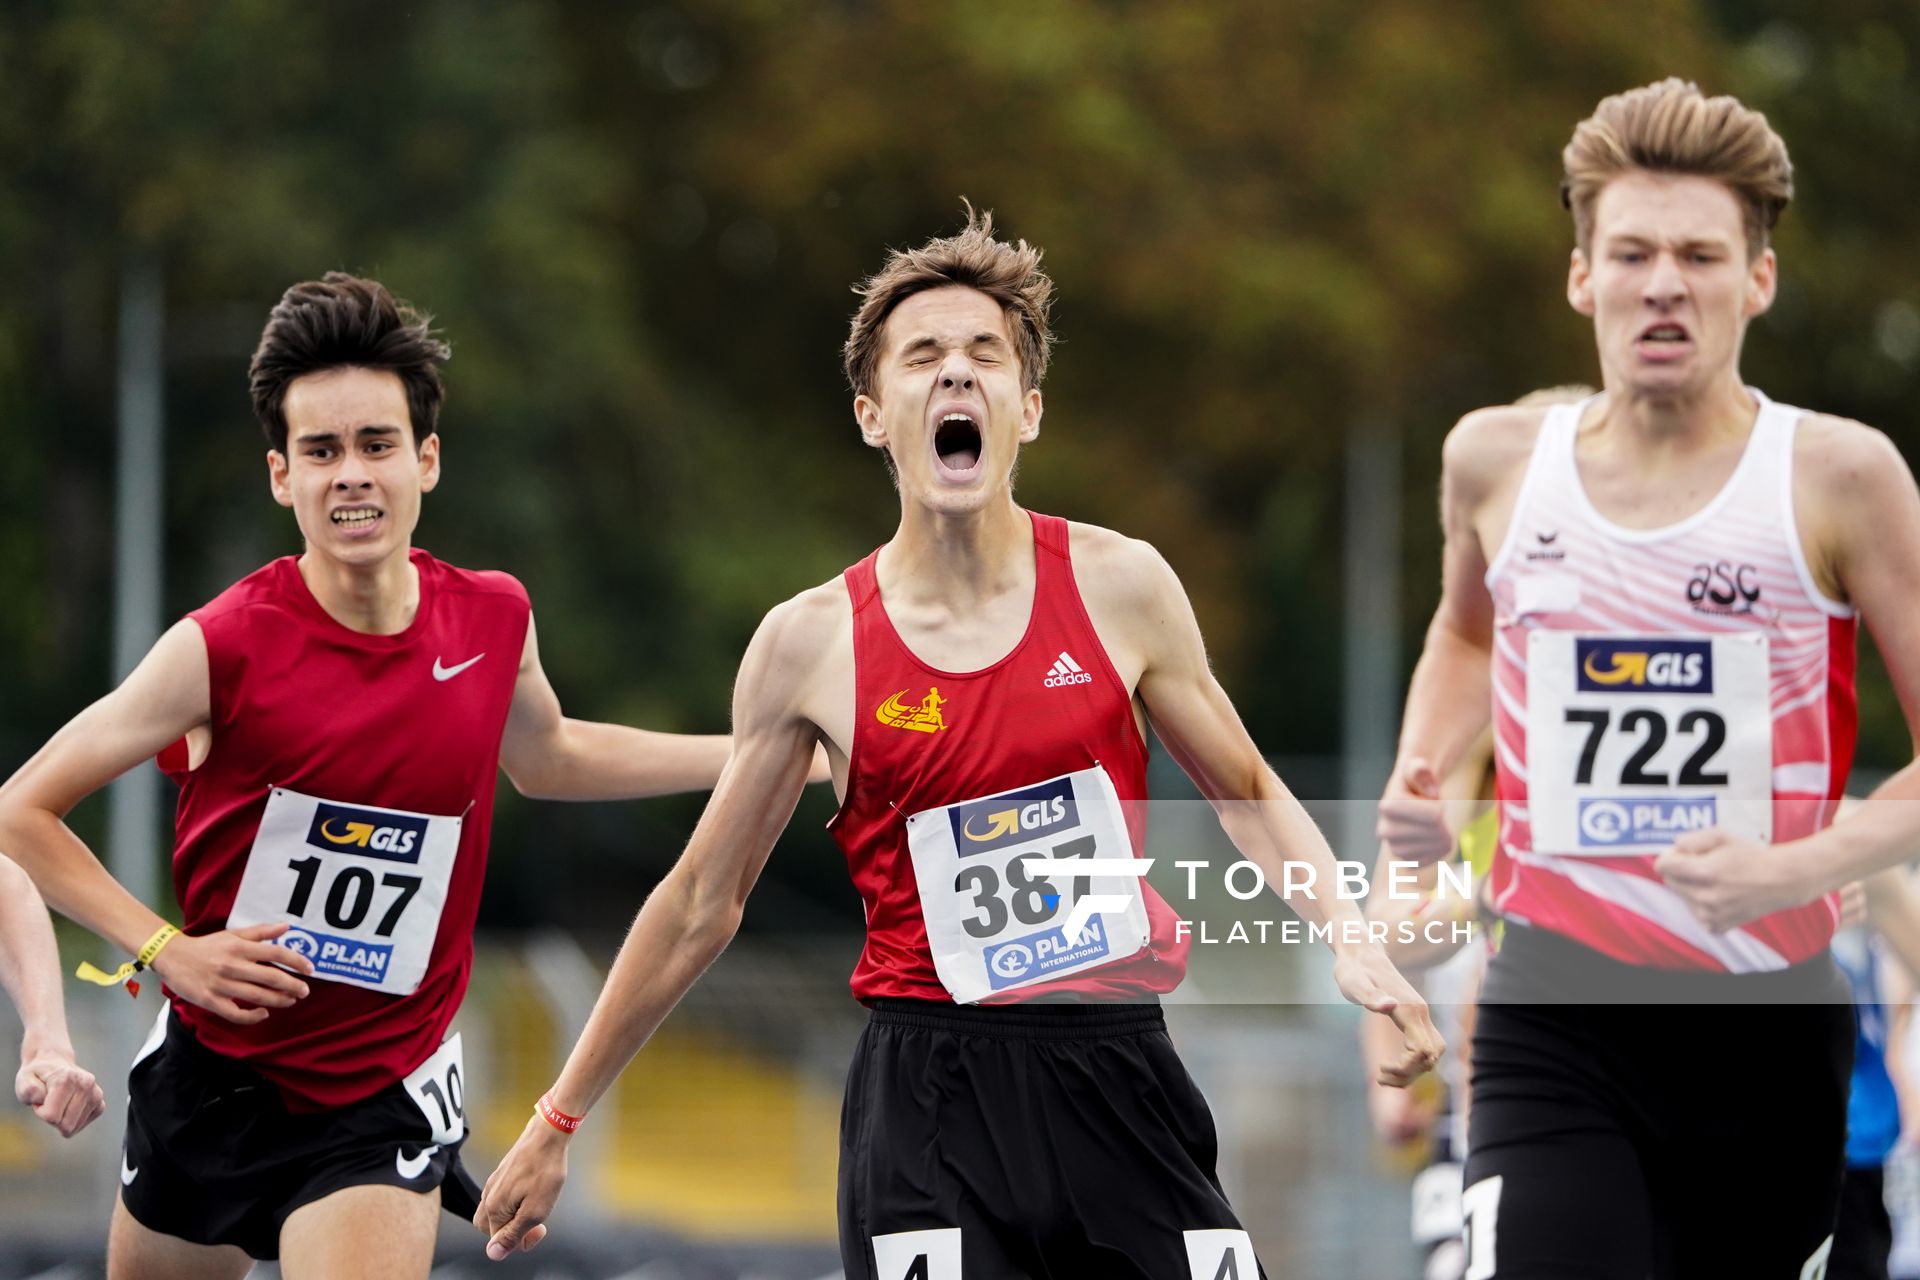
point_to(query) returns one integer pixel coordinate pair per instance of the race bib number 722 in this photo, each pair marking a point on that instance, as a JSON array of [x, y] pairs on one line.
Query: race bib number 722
[[1635, 741]]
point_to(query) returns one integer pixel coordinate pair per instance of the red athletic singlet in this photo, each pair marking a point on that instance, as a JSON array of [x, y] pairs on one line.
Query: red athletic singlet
[[410, 722], [1052, 706]]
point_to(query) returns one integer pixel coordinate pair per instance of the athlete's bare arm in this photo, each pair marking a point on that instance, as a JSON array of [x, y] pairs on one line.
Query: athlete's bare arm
[[164, 698], [1450, 699], [550, 756], [691, 916], [1146, 624], [59, 1090], [1859, 518]]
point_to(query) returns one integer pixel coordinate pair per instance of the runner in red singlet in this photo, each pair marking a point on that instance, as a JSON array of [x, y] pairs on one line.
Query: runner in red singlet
[[337, 720], [1654, 595], [982, 684]]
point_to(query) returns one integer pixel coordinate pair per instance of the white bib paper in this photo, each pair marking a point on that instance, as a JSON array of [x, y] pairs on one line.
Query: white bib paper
[[992, 925], [439, 1089], [362, 887], [1635, 741]]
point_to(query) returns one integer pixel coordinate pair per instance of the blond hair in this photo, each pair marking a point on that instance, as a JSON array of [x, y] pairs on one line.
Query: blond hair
[[1010, 274], [1671, 127]]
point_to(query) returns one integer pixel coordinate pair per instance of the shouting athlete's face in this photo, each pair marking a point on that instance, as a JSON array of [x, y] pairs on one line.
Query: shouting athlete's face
[[947, 403], [1669, 283], [352, 473]]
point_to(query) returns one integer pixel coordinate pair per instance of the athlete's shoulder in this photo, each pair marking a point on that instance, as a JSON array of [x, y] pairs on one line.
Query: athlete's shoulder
[[810, 619], [1114, 569], [1840, 455], [479, 582], [264, 586], [1488, 445]]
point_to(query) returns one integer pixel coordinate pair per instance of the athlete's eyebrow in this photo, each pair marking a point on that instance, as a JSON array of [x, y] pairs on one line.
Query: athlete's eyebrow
[[928, 341], [333, 437]]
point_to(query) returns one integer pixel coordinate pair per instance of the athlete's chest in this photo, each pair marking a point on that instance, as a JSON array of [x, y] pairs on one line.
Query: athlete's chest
[[424, 717]]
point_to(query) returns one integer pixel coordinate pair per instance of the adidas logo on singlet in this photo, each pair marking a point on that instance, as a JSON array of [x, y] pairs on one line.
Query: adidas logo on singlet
[[1065, 671]]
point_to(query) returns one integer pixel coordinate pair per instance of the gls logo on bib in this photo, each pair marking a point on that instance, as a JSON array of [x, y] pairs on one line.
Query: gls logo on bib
[[999, 821], [338, 829], [1644, 666]]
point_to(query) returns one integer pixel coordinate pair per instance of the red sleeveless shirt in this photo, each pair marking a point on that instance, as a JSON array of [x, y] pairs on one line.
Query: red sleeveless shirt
[[1052, 706], [410, 721]]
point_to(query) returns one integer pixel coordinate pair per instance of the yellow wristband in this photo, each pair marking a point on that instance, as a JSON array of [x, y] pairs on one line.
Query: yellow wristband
[[161, 937]]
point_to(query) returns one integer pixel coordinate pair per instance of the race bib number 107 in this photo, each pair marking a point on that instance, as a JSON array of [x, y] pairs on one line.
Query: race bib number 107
[[1635, 741], [362, 887], [998, 916]]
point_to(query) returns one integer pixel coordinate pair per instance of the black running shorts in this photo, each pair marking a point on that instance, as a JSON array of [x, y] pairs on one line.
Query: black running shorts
[[213, 1157], [1058, 1141], [1678, 1126], [1863, 1241]]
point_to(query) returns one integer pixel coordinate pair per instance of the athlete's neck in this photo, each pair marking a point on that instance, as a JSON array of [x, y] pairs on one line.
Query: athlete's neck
[[1661, 425], [959, 558], [377, 599]]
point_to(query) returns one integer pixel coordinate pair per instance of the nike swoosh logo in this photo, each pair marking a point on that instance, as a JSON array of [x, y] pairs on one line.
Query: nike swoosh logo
[[448, 673], [127, 1172], [411, 1169]]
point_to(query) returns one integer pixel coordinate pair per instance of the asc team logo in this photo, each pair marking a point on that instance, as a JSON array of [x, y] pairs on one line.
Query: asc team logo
[[1644, 666], [1013, 816], [370, 833]]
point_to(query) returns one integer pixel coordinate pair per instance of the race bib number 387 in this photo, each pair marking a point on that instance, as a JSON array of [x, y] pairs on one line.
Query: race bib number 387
[[362, 887], [1633, 742], [998, 917]]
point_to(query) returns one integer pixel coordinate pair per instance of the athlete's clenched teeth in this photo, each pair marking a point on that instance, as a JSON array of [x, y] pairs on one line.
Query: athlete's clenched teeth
[[356, 517]]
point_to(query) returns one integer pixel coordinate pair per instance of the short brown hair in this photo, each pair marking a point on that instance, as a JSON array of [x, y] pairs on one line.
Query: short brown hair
[[342, 321], [1671, 127], [1010, 274]]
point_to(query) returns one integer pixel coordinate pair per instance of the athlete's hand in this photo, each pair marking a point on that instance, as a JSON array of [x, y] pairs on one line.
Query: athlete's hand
[[1367, 978], [59, 1090], [1401, 1117], [1728, 880], [219, 971], [1412, 823], [520, 1194]]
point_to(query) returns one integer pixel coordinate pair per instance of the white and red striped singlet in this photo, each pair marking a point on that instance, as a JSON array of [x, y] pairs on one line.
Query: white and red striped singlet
[[1652, 681]]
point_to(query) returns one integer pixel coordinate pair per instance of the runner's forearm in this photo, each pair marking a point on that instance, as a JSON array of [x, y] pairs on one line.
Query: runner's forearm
[[72, 880], [680, 931], [596, 761], [1449, 700], [30, 963]]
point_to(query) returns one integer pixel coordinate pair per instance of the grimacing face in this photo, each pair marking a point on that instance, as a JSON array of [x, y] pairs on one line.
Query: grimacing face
[[947, 401], [351, 472], [1669, 283]]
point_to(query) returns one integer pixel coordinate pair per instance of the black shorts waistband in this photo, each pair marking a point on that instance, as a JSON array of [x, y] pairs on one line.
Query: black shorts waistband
[[1540, 966], [1081, 1021]]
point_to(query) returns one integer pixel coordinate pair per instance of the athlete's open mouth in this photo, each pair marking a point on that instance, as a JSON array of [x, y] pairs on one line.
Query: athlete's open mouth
[[957, 443], [1666, 332], [355, 517]]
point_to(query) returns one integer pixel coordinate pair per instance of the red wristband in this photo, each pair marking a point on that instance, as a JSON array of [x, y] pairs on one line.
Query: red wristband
[[555, 1116]]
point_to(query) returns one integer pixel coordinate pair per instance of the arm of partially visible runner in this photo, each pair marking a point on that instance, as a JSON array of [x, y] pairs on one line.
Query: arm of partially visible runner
[[164, 698], [686, 922], [1864, 521], [1450, 698], [551, 756], [1197, 723], [59, 1090]]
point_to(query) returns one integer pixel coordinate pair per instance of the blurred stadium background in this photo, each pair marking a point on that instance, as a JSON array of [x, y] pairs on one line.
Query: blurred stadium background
[[1293, 243]]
